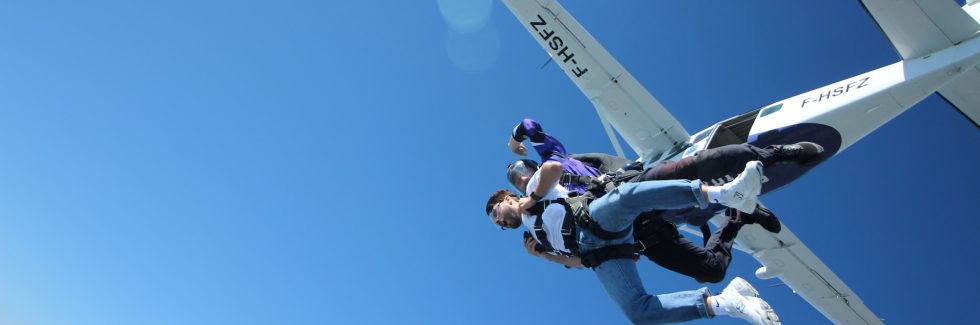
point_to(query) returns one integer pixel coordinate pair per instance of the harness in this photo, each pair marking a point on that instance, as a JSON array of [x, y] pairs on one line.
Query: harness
[[567, 227], [577, 216], [648, 230]]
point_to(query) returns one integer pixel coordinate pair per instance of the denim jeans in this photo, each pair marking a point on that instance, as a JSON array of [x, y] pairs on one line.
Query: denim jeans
[[616, 211]]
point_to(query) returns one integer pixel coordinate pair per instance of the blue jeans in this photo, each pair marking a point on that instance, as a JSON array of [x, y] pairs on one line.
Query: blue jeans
[[616, 211]]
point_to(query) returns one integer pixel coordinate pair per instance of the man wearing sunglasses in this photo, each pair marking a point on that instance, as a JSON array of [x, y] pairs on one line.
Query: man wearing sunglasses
[[605, 239]]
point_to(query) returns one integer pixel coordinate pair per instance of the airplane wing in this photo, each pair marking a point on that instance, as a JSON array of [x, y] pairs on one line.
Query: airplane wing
[[784, 255], [964, 94], [920, 27], [618, 98]]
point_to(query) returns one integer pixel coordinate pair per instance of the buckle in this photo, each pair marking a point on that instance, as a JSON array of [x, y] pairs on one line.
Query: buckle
[[640, 246]]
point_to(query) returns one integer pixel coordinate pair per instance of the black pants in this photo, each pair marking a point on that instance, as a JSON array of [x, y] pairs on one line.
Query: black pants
[[672, 251], [665, 246], [712, 166]]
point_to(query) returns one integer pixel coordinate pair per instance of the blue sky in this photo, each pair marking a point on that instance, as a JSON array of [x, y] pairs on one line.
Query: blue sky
[[299, 162]]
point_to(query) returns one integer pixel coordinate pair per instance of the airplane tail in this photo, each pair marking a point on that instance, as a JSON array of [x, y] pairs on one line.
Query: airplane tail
[[917, 28]]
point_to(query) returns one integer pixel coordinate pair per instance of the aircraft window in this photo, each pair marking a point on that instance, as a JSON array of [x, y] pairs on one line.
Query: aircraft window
[[771, 109]]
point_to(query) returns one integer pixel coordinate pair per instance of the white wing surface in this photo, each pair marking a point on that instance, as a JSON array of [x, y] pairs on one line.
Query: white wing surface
[[784, 255], [920, 27], [964, 94], [619, 99]]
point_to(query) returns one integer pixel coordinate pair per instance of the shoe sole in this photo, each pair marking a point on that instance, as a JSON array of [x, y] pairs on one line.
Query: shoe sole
[[770, 314]]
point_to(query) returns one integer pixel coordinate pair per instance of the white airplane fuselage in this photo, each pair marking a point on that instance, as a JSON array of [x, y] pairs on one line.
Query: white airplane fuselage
[[838, 115]]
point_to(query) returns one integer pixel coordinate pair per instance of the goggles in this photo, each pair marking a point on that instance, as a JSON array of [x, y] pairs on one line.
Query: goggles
[[518, 169]]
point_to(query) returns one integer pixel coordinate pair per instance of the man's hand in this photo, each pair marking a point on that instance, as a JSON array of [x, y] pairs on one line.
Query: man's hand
[[517, 147], [568, 261], [530, 244]]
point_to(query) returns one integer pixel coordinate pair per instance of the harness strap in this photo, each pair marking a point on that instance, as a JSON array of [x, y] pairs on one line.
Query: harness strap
[[585, 221], [610, 181], [567, 229], [541, 234], [567, 179], [593, 259], [652, 230], [569, 232]]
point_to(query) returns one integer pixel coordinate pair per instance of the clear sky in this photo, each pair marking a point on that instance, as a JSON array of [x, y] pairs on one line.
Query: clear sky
[[326, 162]]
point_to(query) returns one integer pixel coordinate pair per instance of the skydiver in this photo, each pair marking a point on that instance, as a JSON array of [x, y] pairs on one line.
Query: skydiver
[[657, 237], [605, 240]]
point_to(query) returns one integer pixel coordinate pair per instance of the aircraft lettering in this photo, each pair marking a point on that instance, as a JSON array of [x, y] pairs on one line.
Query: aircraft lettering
[[557, 45], [545, 34], [837, 91], [540, 22]]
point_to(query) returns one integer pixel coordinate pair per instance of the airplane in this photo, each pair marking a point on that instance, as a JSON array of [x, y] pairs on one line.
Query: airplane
[[939, 45]]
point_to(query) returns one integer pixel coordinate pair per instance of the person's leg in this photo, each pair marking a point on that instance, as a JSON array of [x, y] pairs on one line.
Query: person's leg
[[719, 247], [707, 164], [617, 209], [622, 282], [709, 264], [710, 165], [717, 165]]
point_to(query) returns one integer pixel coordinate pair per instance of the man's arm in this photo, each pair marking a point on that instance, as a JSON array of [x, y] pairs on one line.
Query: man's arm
[[545, 145], [550, 173], [567, 261]]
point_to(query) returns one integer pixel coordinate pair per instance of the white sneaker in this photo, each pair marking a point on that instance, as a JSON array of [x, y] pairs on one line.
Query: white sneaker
[[742, 192], [741, 287], [758, 312], [752, 309]]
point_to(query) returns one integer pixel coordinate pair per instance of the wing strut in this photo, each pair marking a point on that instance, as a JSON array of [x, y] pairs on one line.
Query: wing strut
[[611, 134]]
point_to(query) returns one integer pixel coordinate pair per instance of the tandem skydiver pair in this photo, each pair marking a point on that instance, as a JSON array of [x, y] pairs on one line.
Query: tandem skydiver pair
[[600, 211]]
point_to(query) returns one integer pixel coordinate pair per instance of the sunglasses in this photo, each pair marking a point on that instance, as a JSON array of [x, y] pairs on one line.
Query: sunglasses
[[493, 216]]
